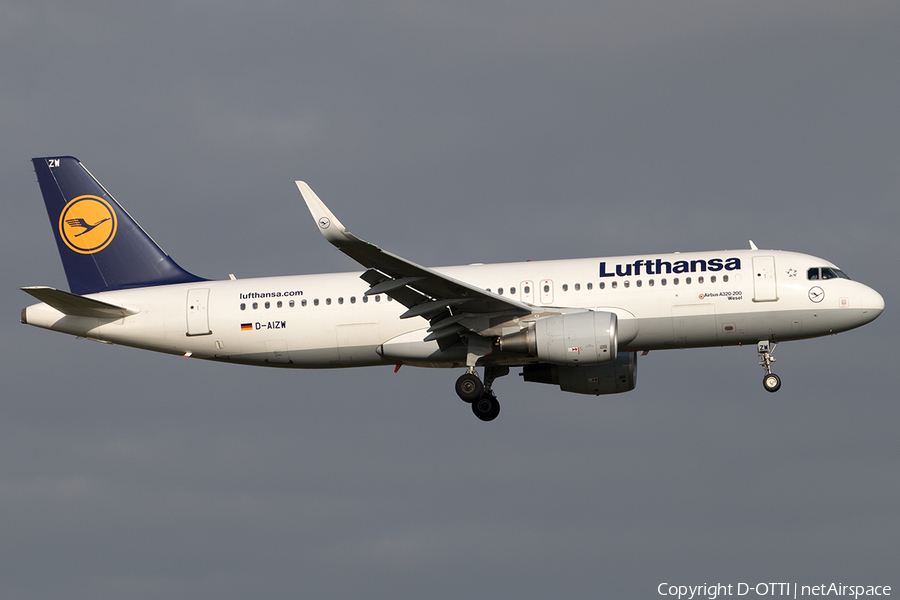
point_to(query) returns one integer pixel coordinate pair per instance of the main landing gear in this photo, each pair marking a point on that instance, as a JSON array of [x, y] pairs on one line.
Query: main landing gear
[[472, 390], [771, 381]]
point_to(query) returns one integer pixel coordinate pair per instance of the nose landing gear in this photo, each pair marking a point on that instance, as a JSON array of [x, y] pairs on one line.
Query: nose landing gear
[[771, 381], [470, 389]]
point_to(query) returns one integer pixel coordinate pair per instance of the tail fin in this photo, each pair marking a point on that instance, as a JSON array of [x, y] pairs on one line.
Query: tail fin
[[102, 248]]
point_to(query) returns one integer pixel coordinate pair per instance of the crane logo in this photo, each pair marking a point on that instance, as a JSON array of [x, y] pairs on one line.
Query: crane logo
[[87, 224]]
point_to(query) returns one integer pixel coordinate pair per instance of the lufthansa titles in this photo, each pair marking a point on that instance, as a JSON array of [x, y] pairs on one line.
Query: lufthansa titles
[[662, 267]]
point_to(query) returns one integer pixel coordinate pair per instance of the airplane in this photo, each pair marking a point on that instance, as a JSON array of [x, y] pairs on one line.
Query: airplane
[[578, 324]]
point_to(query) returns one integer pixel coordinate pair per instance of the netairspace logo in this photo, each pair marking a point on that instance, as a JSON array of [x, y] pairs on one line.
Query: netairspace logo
[[791, 590]]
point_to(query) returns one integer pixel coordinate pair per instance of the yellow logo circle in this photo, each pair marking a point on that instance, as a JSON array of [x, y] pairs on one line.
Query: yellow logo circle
[[87, 224]]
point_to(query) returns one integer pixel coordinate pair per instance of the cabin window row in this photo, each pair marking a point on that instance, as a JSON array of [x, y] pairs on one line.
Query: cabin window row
[[615, 284], [315, 302], [267, 305]]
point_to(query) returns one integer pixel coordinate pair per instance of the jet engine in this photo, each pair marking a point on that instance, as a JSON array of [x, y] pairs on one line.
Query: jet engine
[[610, 378], [583, 338]]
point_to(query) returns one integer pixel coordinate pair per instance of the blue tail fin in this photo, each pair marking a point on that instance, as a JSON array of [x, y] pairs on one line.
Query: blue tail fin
[[102, 248]]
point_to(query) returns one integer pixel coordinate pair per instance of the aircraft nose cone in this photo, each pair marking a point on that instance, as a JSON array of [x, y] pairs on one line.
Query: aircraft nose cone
[[873, 305]]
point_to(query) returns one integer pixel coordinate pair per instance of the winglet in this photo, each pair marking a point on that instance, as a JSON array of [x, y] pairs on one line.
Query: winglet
[[333, 230], [753, 246]]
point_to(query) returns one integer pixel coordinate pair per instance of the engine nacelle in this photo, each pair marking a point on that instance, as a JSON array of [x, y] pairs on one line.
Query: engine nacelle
[[610, 378], [583, 338]]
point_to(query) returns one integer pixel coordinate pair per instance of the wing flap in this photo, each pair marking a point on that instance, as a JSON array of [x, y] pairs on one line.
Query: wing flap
[[445, 332], [389, 285]]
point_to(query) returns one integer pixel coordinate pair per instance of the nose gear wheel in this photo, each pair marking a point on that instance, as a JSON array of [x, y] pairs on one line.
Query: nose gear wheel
[[771, 381]]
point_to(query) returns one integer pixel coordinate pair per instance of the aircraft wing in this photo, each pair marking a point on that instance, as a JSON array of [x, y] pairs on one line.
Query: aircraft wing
[[450, 305]]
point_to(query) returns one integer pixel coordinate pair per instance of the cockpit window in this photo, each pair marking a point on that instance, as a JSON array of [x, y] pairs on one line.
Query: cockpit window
[[825, 273], [829, 273]]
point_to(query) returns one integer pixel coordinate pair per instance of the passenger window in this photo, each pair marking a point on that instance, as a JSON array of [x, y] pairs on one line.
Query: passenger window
[[615, 284], [255, 305], [499, 291], [725, 278], [243, 306], [378, 298], [662, 282], [512, 291], [546, 289], [700, 279], [602, 285], [712, 279], [565, 287], [303, 303], [365, 299], [638, 283], [590, 286], [650, 283], [674, 281], [279, 304], [627, 283], [327, 301], [577, 287], [352, 299], [267, 305], [291, 303], [527, 289], [687, 281], [340, 300], [316, 302]]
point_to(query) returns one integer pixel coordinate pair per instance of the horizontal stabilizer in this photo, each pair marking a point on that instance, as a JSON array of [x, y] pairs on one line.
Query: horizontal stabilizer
[[77, 306]]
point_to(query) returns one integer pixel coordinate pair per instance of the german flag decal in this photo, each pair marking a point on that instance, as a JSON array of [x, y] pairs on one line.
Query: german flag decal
[[246, 326]]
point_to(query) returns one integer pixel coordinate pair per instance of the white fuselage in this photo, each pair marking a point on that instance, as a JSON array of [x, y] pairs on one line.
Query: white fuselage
[[320, 321]]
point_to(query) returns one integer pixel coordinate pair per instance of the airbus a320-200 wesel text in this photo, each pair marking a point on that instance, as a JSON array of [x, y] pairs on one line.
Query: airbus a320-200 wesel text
[[578, 324]]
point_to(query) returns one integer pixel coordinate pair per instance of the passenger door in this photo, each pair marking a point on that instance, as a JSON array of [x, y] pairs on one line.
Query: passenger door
[[197, 312], [764, 286]]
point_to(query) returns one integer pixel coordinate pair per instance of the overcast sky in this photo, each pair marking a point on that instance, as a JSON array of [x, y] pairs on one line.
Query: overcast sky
[[451, 133]]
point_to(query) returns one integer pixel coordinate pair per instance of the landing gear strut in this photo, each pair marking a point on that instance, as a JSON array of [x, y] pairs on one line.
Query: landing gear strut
[[771, 381], [471, 389]]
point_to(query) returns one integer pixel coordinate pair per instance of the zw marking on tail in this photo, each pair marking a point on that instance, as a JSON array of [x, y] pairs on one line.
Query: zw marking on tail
[[83, 223]]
